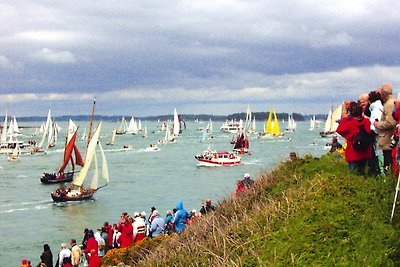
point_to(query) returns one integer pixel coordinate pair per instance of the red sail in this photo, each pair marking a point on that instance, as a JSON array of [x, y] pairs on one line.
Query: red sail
[[68, 152], [78, 157]]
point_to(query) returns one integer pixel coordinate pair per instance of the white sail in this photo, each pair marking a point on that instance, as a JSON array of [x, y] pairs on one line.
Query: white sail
[[4, 130], [336, 116], [167, 134], [122, 127], [15, 126], [71, 130], [46, 128], [91, 150], [145, 132], [10, 132], [247, 124], [327, 127], [253, 128], [50, 135], [104, 167], [132, 127], [176, 123], [95, 179], [313, 125], [209, 127], [83, 137]]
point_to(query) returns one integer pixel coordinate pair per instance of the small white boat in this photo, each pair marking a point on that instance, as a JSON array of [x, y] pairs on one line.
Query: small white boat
[[127, 148], [152, 147], [211, 158]]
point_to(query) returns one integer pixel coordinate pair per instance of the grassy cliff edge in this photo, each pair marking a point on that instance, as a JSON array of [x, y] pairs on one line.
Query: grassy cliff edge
[[310, 211]]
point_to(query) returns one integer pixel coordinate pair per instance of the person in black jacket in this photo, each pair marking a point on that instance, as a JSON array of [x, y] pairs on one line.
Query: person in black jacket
[[47, 255]]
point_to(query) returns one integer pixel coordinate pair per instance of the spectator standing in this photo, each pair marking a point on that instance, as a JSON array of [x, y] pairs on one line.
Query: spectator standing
[[157, 227], [349, 127], [76, 253], [47, 256], [386, 125]]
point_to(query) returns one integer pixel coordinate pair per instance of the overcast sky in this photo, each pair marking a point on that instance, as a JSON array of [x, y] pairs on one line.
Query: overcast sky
[[210, 56]]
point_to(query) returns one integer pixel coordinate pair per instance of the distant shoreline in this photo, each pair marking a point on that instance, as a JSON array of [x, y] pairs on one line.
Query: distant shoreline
[[260, 116]]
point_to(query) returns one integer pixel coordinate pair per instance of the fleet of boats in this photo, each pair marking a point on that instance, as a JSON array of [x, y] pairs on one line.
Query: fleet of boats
[[81, 187]]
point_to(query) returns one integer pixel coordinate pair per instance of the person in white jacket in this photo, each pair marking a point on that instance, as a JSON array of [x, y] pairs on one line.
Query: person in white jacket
[[376, 108]]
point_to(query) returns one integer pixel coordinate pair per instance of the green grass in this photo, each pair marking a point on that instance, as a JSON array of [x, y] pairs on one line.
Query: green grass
[[308, 212]]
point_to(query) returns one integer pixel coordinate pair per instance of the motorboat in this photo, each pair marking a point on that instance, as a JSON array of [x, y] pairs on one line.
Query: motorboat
[[211, 158], [232, 126]]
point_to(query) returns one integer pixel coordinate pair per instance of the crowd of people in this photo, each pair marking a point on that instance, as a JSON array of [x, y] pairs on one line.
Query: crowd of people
[[369, 126], [128, 230]]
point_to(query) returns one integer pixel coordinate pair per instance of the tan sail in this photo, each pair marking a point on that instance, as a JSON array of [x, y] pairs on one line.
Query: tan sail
[[80, 178]]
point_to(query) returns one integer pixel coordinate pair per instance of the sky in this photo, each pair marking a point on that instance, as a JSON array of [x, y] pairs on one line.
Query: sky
[[145, 57]]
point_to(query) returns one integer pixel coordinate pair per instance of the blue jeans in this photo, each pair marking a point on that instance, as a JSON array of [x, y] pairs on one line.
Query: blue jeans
[[358, 166]]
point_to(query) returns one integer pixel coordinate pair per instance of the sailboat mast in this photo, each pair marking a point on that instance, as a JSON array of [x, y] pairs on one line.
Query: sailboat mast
[[90, 126]]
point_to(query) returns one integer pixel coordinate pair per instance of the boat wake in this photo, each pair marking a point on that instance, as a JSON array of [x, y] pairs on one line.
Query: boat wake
[[15, 207]]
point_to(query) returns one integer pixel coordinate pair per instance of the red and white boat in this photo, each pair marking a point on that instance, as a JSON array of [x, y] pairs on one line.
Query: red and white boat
[[211, 158]]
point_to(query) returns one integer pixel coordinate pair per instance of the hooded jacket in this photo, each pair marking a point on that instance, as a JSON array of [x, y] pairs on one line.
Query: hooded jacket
[[348, 128], [181, 215]]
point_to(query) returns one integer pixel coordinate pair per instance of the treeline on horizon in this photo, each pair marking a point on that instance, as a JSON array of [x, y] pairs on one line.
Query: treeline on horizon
[[186, 117]]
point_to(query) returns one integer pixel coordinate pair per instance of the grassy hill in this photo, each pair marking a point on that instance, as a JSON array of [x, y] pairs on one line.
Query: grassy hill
[[308, 212]]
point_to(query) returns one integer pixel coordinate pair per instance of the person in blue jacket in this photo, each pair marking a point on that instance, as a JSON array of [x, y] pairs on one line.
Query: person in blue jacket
[[180, 217]]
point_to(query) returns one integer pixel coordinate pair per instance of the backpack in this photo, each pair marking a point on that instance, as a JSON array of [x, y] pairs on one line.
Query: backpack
[[362, 139]]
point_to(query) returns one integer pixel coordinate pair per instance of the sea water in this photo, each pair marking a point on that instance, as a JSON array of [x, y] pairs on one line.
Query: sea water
[[139, 179]]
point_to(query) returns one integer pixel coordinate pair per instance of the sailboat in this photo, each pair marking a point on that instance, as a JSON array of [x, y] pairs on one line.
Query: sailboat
[[111, 142], [247, 124], [176, 127], [313, 124], [291, 126], [242, 144], [272, 128], [15, 156], [61, 176], [132, 127], [46, 130], [145, 132], [122, 128], [331, 122], [78, 190], [253, 129]]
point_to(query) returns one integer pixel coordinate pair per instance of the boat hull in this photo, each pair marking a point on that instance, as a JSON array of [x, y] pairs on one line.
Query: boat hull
[[51, 178], [208, 163], [216, 159], [62, 197]]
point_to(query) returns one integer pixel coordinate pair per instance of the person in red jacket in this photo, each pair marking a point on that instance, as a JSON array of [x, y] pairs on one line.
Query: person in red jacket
[[94, 260], [348, 128], [126, 229], [91, 245]]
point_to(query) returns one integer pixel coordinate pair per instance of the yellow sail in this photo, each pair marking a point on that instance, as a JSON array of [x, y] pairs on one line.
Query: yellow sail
[[275, 126], [268, 125]]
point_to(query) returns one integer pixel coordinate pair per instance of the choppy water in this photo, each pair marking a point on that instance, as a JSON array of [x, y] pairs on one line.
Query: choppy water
[[138, 180]]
